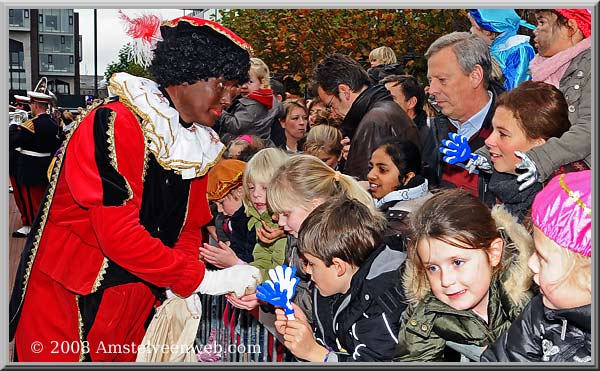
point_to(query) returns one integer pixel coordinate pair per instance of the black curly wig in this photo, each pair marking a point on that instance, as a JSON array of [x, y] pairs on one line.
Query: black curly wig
[[189, 54]]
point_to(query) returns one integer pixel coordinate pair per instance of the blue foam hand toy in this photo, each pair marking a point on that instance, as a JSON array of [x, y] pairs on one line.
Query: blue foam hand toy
[[272, 293], [457, 149], [286, 276]]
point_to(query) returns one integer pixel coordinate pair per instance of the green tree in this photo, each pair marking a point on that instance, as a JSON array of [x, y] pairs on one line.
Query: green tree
[[293, 41], [123, 64]]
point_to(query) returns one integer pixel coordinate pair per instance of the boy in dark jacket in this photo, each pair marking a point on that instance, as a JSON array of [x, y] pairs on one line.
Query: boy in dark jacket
[[358, 299]]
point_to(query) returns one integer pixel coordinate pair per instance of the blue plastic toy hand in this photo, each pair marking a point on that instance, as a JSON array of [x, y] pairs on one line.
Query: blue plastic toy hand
[[456, 149], [286, 277], [272, 293]]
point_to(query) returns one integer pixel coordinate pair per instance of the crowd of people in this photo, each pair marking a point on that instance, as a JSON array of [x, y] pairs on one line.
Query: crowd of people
[[447, 221]]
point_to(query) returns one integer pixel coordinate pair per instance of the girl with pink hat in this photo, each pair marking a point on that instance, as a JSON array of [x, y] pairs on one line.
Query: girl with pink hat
[[556, 325]]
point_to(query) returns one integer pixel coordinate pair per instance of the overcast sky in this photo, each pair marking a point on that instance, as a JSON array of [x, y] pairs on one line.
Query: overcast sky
[[111, 34]]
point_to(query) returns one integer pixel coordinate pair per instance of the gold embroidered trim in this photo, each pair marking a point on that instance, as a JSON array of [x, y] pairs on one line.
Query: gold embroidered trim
[[29, 125], [246, 47], [150, 135], [100, 275], [47, 202], [80, 329], [573, 196], [112, 152]]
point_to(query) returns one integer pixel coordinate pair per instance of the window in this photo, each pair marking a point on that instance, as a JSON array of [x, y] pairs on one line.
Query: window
[[49, 58], [52, 21], [41, 39], [10, 13], [41, 19], [59, 87], [16, 67], [26, 13], [70, 20], [70, 59], [62, 39]]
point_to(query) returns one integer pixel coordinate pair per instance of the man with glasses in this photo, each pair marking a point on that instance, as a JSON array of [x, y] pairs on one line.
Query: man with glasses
[[369, 113]]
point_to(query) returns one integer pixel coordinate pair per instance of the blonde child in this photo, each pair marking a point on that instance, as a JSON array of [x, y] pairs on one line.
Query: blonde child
[[325, 142], [466, 278], [298, 187], [357, 301], [556, 325], [257, 108], [257, 175]]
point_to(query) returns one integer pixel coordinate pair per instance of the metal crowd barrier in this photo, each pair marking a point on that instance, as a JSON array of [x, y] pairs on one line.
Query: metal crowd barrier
[[228, 334]]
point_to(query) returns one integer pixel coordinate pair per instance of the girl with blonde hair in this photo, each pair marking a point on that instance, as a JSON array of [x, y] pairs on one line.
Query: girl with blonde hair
[[325, 142]]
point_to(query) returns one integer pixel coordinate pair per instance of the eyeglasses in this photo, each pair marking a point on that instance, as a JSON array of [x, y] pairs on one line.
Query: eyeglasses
[[328, 106]]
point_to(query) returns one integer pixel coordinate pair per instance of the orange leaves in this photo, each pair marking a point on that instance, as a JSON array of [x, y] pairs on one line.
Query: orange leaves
[[292, 41]]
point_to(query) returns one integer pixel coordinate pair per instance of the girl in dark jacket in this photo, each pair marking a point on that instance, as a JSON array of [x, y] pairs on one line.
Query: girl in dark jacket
[[556, 325], [396, 183], [466, 278]]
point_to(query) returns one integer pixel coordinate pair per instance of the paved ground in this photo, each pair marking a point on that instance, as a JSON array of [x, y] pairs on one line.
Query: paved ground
[[15, 246]]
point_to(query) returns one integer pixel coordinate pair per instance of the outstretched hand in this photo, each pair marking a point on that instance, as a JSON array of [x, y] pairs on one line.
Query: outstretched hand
[[221, 257]]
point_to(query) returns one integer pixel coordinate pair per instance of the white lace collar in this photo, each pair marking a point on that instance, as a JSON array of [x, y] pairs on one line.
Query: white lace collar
[[190, 152]]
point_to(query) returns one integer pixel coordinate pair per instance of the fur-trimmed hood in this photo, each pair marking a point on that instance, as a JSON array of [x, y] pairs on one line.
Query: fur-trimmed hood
[[514, 273]]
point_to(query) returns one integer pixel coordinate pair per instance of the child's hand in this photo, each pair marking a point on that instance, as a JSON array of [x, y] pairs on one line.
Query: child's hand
[[268, 235], [280, 320], [247, 302], [299, 339], [221, 257]]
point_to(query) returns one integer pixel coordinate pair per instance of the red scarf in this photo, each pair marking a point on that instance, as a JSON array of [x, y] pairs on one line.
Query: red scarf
[[262, 96]]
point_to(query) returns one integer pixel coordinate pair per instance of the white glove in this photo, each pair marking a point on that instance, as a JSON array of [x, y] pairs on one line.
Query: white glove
[[193, 303], [530, 175], [480, 163], [234, 279]]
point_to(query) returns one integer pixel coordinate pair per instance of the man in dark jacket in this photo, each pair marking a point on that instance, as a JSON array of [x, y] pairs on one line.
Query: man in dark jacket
[[32, 145], [369, 112], [459, 69]]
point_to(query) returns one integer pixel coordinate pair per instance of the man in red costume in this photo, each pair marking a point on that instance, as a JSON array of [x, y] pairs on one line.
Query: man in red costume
[[127, 197]]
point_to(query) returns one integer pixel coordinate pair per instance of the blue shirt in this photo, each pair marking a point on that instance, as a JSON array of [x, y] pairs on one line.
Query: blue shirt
[[474, 124]]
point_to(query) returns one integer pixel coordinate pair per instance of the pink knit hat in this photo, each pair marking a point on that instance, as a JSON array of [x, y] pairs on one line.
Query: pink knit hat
[[563, 211]]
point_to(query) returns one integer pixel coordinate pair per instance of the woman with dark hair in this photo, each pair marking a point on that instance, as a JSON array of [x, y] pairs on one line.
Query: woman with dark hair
[[395, 181]]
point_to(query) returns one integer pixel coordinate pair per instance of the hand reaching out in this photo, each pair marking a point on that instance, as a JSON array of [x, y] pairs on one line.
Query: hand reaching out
[[221, 257], [247, 302]]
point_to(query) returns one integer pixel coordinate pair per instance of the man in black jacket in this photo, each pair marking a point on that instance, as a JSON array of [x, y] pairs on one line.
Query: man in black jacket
[[369, 112]]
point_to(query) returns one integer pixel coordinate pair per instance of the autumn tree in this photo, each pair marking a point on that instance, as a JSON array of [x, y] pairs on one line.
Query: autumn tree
[[124, 64], [293, 41]]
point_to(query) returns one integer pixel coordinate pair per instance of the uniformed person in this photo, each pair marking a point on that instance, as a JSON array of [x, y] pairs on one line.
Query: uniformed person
[[32, 144]]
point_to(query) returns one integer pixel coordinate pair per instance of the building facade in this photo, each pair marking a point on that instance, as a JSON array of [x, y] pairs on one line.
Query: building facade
[[44, 42]]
